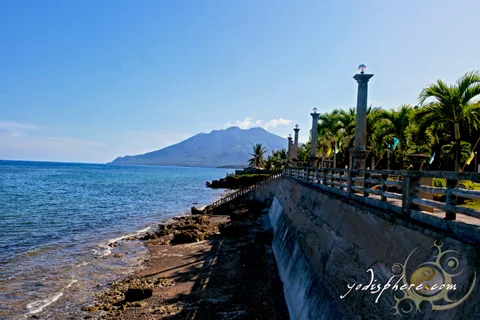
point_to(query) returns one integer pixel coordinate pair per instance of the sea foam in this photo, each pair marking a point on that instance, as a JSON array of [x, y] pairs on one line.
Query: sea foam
[[39, 305]]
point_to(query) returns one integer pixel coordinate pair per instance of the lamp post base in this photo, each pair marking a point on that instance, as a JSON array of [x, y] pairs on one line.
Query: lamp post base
[[418, 160], [313, 162], [359, 159]]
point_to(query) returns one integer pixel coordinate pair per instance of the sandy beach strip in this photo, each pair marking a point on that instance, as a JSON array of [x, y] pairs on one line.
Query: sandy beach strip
[[201, 267]]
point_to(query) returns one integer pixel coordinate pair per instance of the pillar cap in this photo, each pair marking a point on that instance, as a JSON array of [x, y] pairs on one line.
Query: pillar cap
[[360, 153], [362, 77]]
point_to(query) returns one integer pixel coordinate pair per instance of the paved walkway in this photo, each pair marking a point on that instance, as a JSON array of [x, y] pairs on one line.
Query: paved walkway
[[436, 212]]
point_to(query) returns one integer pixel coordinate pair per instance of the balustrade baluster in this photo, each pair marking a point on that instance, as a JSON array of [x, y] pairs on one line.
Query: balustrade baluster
[[349, 183], [366, 185], [450, 200], [383, 187]]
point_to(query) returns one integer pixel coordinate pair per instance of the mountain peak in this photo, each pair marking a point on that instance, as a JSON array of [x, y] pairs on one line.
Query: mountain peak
[[233, 128], [229, 146]]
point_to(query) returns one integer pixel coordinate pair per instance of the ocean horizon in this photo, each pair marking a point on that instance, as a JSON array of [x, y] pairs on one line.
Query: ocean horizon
[[112, 164], [61, 223]]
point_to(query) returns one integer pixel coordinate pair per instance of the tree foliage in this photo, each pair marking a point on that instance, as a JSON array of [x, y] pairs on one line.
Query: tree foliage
[[445, 123]]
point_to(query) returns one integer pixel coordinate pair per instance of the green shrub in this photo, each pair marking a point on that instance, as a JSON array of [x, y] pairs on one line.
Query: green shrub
[[439, 182], [469, 185], [244, 180]]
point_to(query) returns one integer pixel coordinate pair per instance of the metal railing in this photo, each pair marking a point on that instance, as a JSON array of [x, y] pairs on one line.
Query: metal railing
[[403, 192], [236, 194]]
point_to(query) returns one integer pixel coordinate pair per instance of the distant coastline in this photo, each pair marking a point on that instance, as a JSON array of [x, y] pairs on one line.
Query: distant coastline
[[233, 166]]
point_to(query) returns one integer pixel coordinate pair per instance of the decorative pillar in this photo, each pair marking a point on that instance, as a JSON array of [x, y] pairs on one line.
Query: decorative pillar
[[290, 151], [313, 149], [360, 151], [295, 143]]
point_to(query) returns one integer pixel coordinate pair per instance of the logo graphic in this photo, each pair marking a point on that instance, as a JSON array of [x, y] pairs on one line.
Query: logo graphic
[[436, 283]]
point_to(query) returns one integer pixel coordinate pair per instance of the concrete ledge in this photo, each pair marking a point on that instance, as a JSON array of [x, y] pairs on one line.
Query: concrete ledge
[[324, 242]]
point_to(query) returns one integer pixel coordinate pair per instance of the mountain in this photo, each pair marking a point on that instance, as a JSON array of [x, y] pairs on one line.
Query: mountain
[[229, 147]]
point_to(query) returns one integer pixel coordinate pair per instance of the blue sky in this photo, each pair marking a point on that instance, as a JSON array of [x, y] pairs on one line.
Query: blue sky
[[88, 80]]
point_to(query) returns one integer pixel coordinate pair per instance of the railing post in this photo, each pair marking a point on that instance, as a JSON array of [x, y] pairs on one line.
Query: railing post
[[340, 180], [324, 178], [384, 186], [409, 192], [366, 185], [308, 173], [406, 195], [450, 200], [349, 183]]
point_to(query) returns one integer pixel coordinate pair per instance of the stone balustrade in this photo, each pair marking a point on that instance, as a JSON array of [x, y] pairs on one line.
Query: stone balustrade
[[403, 192]]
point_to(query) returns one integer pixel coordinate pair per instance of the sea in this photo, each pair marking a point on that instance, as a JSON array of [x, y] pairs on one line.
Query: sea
[[58, 222]]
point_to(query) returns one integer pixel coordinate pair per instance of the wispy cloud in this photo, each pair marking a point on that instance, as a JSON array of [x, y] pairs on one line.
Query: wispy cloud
[[249, 122], [15, 128], [23, 141], [277, 122]]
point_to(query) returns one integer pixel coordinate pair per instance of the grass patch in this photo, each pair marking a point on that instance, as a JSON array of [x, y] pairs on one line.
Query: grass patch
[[245, 179]]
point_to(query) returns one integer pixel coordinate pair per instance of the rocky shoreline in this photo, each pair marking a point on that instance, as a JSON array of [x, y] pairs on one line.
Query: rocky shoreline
[[207, 265]]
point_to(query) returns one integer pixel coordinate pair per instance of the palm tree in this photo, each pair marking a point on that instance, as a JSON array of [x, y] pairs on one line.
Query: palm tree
[[346, 120], [303, 154], [395, 124], [328, 133], [280, 158], [453, 105], [257, 156], [346, 127], [269, 163], [374, 140]]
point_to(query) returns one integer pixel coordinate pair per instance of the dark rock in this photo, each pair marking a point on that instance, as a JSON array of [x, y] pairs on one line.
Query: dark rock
[[201, 219], [232, 230], [113, 244], [90, 308], [196, 211], [149, 236], [187, 236], [136, 294], [162, 226], [264, 237]]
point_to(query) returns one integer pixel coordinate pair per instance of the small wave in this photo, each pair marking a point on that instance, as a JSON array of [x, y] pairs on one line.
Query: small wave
[[83, 264], [38, 306], [106, 248]]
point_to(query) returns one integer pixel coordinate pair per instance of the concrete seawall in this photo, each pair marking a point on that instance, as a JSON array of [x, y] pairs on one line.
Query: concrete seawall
[[324, 244]]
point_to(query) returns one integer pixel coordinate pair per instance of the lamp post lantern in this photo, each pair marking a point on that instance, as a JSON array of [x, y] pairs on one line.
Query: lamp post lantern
[[359, 152]]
